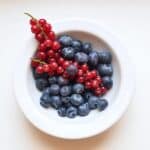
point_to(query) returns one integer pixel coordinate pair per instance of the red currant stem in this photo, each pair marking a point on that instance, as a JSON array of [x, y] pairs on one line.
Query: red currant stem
[[38, 60], [28, 14]]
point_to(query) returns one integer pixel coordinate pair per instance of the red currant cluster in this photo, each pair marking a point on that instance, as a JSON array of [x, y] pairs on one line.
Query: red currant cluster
[[48, 59]]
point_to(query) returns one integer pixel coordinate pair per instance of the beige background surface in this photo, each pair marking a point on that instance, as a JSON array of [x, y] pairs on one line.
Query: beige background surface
[[129, 20]]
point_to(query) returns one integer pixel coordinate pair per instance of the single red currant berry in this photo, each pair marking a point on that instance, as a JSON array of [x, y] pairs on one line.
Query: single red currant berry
[[46, 68], [35, 29], [95, 84], [93, 73], [65, 75], [55, 45], [34, 63], [88, 76], [39, 37], [80, 72], [48, 43], [84, 67], [41, 55], [47, 28], [60, 70], [98, 91], [51, 73], [65, 64], [54, 65], [98, 78], [88, 85], [76, 64], [103, 90], [80, 79], [61, 61], [32, 21], [57, 56], [51, 35], [51, 53], [50, 60], [39, 69], [42, 22], [42, 47]]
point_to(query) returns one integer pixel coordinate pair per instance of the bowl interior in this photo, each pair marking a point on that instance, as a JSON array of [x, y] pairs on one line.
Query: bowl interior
[[98, 44]]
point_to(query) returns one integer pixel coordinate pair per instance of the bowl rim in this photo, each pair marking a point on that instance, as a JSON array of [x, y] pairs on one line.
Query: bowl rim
[[118, 108]]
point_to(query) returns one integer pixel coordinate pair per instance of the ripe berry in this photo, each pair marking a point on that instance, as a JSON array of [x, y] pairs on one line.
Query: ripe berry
[[47, 28], [93, 73], [84, 67], [95, 84], [32, 21], [54, 65], [51, 53], [46, 68], [61, 61], [98, 78], [39, 70], [39, 37], [41, 55], [48, 43], [76, 64], [103, 90], [57, 56], [55, 45], [34, 63], [66, 64], [35, 29], [42, 47], [80, 72], [65, 75], [80, 79], [42, 22], [60, 70], [51, 35], [51, 73], [98, 91], [88, 85], [88, 76], [50, 60]]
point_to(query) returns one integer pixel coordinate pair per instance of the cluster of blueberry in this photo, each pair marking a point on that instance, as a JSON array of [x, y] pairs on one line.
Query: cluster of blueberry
[[71, 75], [69, 98]]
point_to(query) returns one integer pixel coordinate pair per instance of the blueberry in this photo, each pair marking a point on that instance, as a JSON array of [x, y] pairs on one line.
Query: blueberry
[[77, 45], [54, 89], [83, 110], [41, 84], [56, 102], [45, 100], [93, 102], [105, 69], [37, 75], [105, 57], [65, 90], [107, 82], [68, 52], [81, 57], [52, 80], [86, 47], [71, 112], [72, 70], [65, 40], [76, 99], [46, 90], [102, 104], [87, 95], [78, 88], [93, 59], [62, 81], [67, 105], [65, 99], [62, 111]]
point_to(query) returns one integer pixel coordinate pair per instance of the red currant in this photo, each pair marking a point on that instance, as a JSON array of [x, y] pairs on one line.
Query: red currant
[[50, 60], [88, 85], [42, 47], [34, 63], [84, 67], [42, 22], [57, 56], [41, 55], [88, 76], [39, 69], [39, 37], [47, 28], [35, 29], [55, 45], [80, 72], [95, 84], [98, 91], [66, 64], [51, 35], [51, 73], [48, 43], [60, 70], [103, 90], [53, 65], [51, 53], [46, 68], [93, 73], [61, 61], [80, 79], [65, 75], [98, 78], [76, 64], [32, 21]]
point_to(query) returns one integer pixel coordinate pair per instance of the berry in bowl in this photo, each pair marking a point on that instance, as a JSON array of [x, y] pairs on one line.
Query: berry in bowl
[[76, 77]]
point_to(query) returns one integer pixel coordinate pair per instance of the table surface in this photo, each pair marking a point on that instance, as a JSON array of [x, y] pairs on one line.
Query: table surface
[[129, 20]]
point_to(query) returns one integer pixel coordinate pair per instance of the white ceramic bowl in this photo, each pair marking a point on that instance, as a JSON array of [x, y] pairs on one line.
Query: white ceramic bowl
[[47, 120]]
